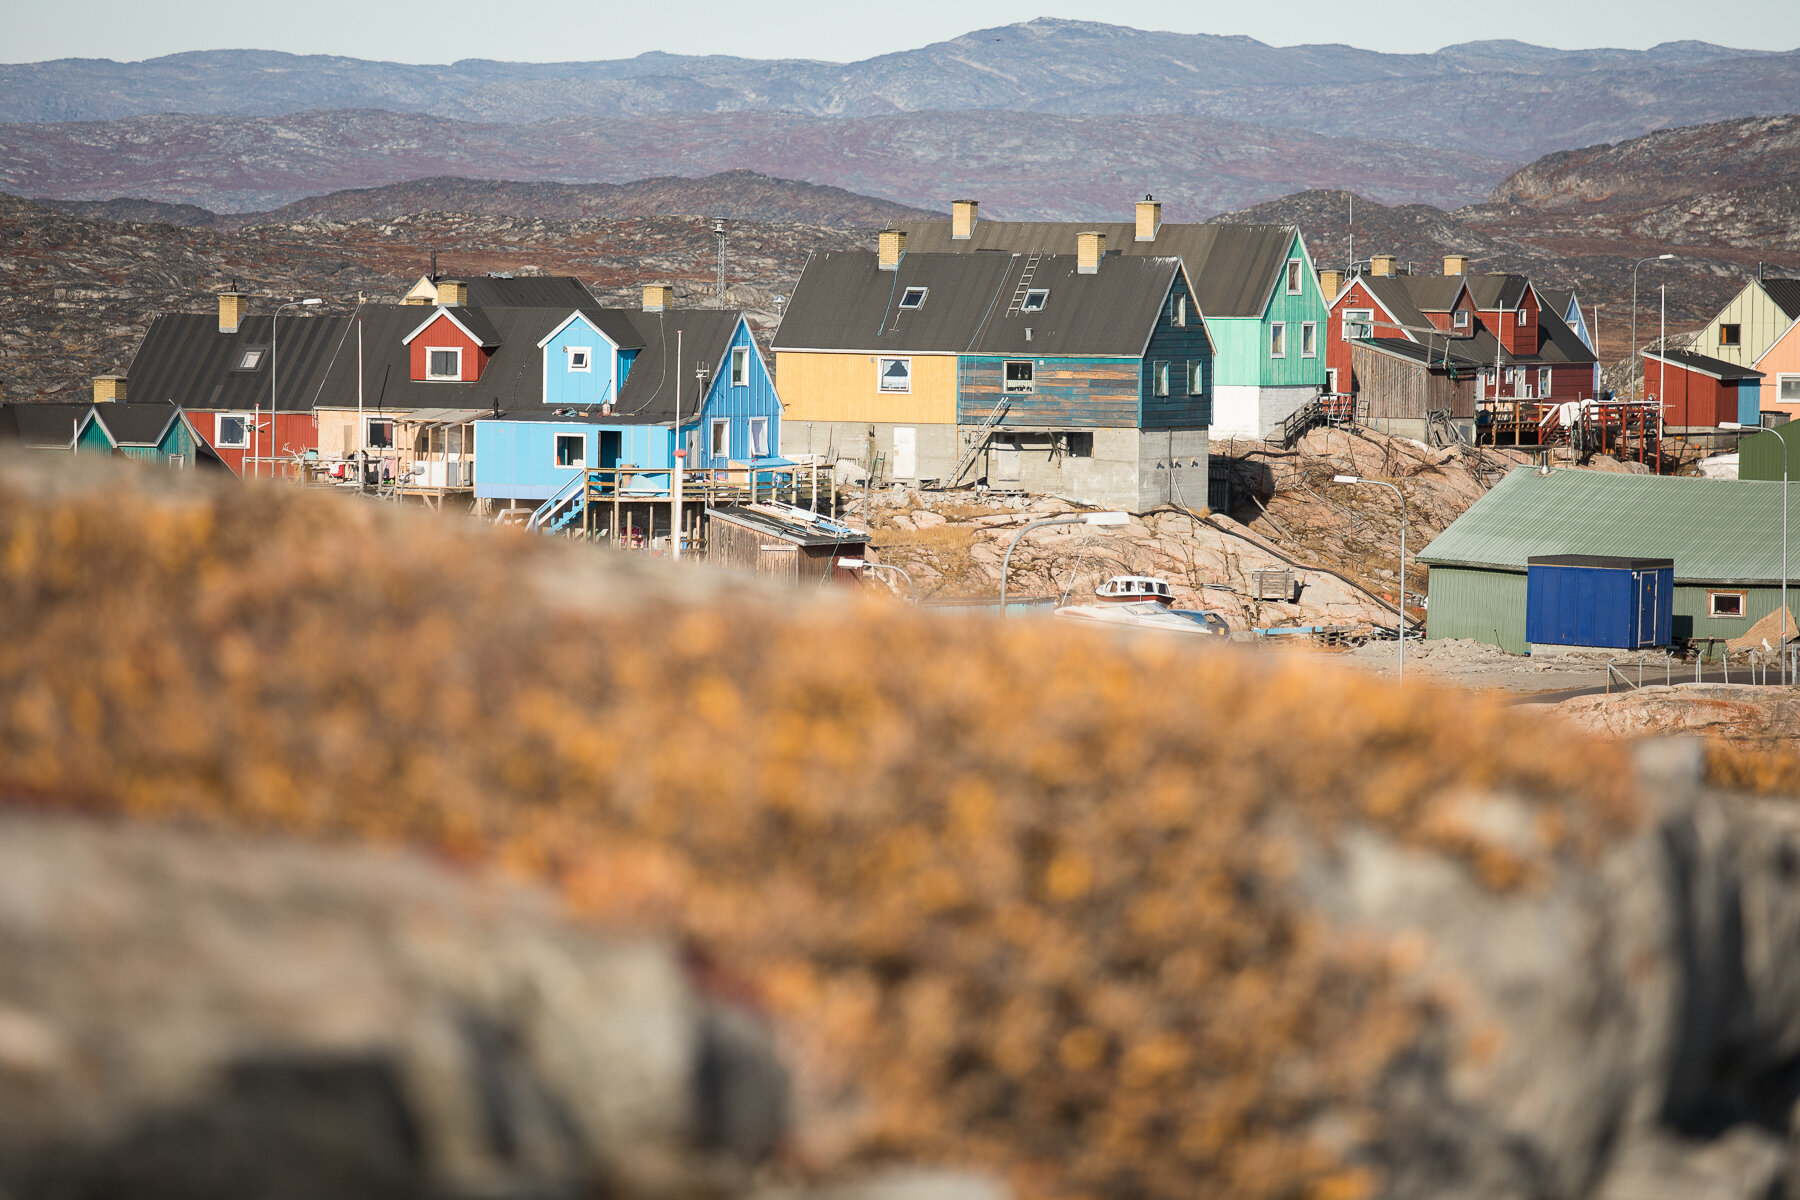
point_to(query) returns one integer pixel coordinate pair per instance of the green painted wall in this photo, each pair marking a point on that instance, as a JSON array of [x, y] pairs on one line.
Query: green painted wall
[[1488, 606], [1691, 604], [1760, 457], [1242, 344], [92, 440]]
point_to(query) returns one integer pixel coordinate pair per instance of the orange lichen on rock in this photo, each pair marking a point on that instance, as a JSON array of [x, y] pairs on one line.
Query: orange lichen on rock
[[1030, 889]]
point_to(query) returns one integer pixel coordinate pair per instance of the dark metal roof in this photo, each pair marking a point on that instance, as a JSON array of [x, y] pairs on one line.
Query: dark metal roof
[[528, 291], [136, 424], [1434, 354], [184, 358], [42, 426], [1609, 562], [1233, 269], [469, 319], [1410, 297], [1786, 295], [1700, 362], [844, 301]]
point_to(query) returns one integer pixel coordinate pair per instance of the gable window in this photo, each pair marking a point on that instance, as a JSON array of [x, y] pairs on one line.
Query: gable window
[[721, 437], [1544, 377], [1020, 376], [740, 366], [1523, 316], [1294, 278], [1787, 389], [251, 358], [893, 374], [1193, 379], [1180, 316], [571, 449], [1309, 340], [759, 437], [1278, 340], [581, 358], [1731, 335], [914, 297], [231, 433], [1461, 318], [1359, 322], [1035, 299], [1160, 378], [1725, 604], [443, 362], [378, 434]]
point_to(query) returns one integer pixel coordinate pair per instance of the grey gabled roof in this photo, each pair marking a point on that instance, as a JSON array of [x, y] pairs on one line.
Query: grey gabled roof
[[1233, 269], [1410, 297], [1700, 362], [527, 291], [703, 335], [42, 426], [1716, 530], [844, 301], [136, 424], [1786, 295]]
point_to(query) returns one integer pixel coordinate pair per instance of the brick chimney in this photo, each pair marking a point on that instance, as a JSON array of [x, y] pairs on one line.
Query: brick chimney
[[962, 219], [658, 296], [108, 388], [232, 307], [1090, 248], [1330, 283], [891, 248], [1149, 218], [1384, 264], [1456, 264], [452, 293]]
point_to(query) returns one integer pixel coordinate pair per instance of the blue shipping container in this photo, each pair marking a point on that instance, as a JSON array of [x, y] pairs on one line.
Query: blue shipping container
[[1597, 600]]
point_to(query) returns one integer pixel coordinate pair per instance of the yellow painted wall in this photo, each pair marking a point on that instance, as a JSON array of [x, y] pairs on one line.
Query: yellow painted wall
[[1761, 322], [842, 387]]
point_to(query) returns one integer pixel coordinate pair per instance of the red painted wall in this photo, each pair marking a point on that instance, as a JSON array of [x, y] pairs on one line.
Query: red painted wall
[[295, 433], [1520, 337], [1337, 350], [1689, 398], [443, 334]]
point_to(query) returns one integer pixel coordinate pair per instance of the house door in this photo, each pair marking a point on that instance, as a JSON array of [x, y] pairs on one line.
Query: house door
[[906, 456], [1646, 608], [609, 447], [1006, 463]]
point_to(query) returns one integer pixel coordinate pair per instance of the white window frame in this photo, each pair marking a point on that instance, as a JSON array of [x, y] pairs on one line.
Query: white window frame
[[1195, 378], [1522, 317], [906, 298], [1783, 380], [261, 352], [556, 444], [1309, 339], [370, 423], [1545, 377], [1023, 386], [1296, 276], [1712, 604], [1179, 317], [1460, 319], [1035, 299], [740, 366], [719, 438], [1278, 339], [439, 377], [881, 376], [1159, 378], [242, 441], [1359, 316], [759, 437], [585, 354]]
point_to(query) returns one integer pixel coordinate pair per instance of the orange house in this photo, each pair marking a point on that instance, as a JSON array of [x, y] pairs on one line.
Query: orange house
[[1780, 365]]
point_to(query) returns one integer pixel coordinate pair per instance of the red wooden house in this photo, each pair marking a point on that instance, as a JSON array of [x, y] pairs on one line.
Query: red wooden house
[[1699, 393]]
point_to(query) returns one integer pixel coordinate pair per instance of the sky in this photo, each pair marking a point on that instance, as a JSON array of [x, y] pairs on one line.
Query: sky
[[583, 30]]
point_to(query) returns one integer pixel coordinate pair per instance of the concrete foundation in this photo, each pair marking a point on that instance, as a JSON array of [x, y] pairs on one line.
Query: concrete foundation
[[1241, 410], [908, 453]]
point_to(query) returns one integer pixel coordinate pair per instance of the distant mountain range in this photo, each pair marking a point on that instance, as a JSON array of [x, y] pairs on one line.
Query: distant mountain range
[[1508, 100]]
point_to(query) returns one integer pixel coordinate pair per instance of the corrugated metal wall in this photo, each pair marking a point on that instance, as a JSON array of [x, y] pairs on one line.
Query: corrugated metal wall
[[1760, 457], [1488, 606]]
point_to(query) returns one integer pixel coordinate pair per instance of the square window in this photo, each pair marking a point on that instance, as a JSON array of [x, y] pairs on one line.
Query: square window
[[1278, 340], [1160, 378], [1035, 299], [443, 363], [1180, 317], [740, 366], [1725, 604], [251, 358], [914, 297], [893, 374], [759, 437], [1359, 322], [1294, 277], [378, 434], [232, 433], [1309, 340], [581, 358], [1461, 319], [571, 449], [721, 437], [1731, 335], [1020, 376], [1194, 379], [1787, 389]]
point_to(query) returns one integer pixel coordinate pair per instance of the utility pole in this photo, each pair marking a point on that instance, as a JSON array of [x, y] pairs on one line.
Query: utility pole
[[719, 234]]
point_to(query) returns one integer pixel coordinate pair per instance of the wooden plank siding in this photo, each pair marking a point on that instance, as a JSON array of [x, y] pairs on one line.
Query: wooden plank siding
[[1178, 345], [1067, 393], [1399, 389], [754, 398], [444, 334]]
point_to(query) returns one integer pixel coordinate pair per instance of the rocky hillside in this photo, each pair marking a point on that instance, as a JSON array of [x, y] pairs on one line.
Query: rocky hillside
[[1555, 98]]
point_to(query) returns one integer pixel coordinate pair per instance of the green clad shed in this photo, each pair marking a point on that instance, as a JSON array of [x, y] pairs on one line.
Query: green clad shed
[[1724, 536]]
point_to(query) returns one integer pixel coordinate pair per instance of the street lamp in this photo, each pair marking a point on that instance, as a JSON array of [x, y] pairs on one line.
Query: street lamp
[[1776, 434], [1093, 518], [1399, 625], [274, 346], [1632, 350]]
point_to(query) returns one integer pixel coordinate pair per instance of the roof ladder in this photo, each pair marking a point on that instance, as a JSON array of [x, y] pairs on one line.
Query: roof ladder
[[1024, 283], [977, 440]]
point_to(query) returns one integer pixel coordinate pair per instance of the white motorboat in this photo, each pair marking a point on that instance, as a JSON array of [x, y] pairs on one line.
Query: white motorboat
[[1135, 589], [1148, 615]]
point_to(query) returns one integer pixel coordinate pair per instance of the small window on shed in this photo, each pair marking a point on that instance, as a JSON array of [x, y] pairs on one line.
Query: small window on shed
[[1035, 299], [1020, 376], [1731, 335], [914, 297], [1725, 604], [571, 450]]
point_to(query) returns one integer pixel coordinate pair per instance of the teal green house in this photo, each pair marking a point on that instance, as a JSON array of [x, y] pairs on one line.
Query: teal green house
[[1255, 285], [153, 432]]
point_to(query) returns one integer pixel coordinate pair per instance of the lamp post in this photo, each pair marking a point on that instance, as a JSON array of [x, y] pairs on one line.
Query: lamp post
[[1093, 518], [1400, 609], [1632, 350], [1776, 434], [274, 346]]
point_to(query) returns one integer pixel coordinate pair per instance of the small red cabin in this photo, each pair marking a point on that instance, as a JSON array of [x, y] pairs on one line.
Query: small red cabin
[[1698, 392]]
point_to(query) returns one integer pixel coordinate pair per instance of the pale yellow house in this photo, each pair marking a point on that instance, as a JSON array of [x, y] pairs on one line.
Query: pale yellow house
[[1746, 328]]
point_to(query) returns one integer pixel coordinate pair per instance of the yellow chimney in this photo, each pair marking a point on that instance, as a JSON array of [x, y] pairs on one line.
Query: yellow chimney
[[658, 296], [1149, 218], [962, 219], [1456, 264], [452, 293], [108, 388], [1330, 283], [1384, 264], [1090, 248], [891, 249], [232, 306]]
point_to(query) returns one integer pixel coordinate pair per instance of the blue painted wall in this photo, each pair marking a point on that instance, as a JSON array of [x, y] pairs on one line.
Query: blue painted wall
[[755, 397], [1749, 402], [564, 388], [516, 460], [1178, 345]]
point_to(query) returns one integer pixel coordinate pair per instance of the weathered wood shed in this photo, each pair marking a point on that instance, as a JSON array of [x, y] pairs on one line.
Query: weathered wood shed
[[780, 542]]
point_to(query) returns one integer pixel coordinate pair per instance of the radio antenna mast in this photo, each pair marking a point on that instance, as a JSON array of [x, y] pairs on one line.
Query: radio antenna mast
[[719, 233]]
